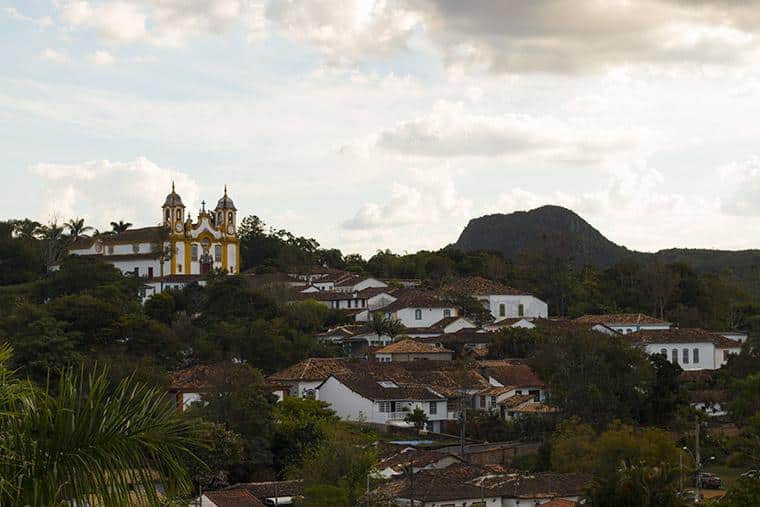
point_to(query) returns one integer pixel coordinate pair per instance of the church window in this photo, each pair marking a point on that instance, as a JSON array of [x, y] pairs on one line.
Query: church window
[[219, 218], [229, 217], [179, 268], [179, 214], [218, 253], [194, 252], [168, 215]]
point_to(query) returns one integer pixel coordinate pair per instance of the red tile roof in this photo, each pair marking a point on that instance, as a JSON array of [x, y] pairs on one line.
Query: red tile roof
[[409, 346], [683, 335], [313, 368], [233, 498], [479, 286], [517, 375], [620, 319], [413, 298]]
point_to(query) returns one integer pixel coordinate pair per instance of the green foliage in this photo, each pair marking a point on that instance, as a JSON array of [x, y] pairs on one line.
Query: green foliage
[[665, 396], [343, 461], [91, 441], [20, 257], [385, 325], [577, 447], [492, 427], [595, 378], [515, 343], [472, 308], [636, 485], [302, 426], [240, 401], [744, 493], [161, 307], [321, 496], [417, 417], [224, 450], [746, 399]]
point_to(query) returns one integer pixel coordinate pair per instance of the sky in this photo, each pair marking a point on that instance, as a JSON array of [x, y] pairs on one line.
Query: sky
[[390, 123]]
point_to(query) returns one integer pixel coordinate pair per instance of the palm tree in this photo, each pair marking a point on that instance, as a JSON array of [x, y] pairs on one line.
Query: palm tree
[[76, 227], [120, 226], [163, 250], [91, 443], [385, 325], [55, 244], [26, 229]]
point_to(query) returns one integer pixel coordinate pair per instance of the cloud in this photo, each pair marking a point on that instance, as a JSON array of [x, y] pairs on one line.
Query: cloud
[[101, 57], [744, 180], [450, 130], [54, 55], [42, 22], [426, 197], [156, 22], [544, 36], [102, 191]]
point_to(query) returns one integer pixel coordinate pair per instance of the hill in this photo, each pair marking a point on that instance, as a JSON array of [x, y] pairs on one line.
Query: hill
[[562, 230]]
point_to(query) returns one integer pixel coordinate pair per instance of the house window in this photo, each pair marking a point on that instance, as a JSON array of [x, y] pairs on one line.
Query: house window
[[482, 402], [194, 253], [433, 409], [150, 272], [417, 314], [685, 356], [447, 313], [386, 406], [664, 352], [520, 310], [493, 400], [674, 356], [218, 253], [110, 249], [695, 353], [502, 310]]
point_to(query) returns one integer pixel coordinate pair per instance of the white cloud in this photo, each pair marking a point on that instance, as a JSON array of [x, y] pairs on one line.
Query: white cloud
[[42, 22], [54, 55], [451, 130], [426, 197], [744, 180], [101, 57], [103, 191], [156, 22]]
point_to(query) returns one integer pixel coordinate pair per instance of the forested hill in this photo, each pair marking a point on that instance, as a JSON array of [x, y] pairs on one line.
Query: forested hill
[[568, 235]]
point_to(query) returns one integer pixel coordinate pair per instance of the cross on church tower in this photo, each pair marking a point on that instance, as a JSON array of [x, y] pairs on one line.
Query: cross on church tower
[[203, 206]]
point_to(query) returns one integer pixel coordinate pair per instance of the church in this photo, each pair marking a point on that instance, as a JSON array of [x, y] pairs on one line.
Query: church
[[176, 252]]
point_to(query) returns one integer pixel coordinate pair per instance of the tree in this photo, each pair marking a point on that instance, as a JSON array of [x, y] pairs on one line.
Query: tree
[[302, 426], [746, 399], [665, 396], [120, 226], [597, 378], [54, 244], [320, 496], [224, 450], [92, 442], [76, 227], [577, 447], [472, 309], [384, 325], [239, 400], [636, 485], [26, 229], [417, 417], [745, 492]]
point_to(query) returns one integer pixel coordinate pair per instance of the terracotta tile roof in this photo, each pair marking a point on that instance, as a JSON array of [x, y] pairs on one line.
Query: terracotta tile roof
[[313, 368], [123, 257], [271, 489], [466, 335], [334, 295], [381, 388], [534, 407], [683, 335], [563, 324], [620, 319], [413, 298], [140, 235], [495, 390], [410, 346], [203, 376], [413, 457], [479, 286], [560, 502], [463, 481], [516, 400], [233, 498], [518, 375]]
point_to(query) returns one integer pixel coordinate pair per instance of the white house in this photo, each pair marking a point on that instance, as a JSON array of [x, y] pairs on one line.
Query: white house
[[373, 399], [304, 377], [370, 298], [692, 349], [625, 323], [418, 309], [443, 326], [502, 301]]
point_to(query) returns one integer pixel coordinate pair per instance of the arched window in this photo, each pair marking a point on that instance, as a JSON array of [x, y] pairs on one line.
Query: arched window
[[179, 214], [674, 356], [194, 252], [417, 314], [696, 355], [229, 217], [168, 215], [219, 218]]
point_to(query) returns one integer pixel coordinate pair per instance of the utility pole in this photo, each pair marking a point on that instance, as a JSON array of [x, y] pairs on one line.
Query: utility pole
[[698, 460]]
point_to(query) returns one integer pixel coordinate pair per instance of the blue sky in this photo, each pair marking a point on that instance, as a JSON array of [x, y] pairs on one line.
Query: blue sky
[[389, 123]]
